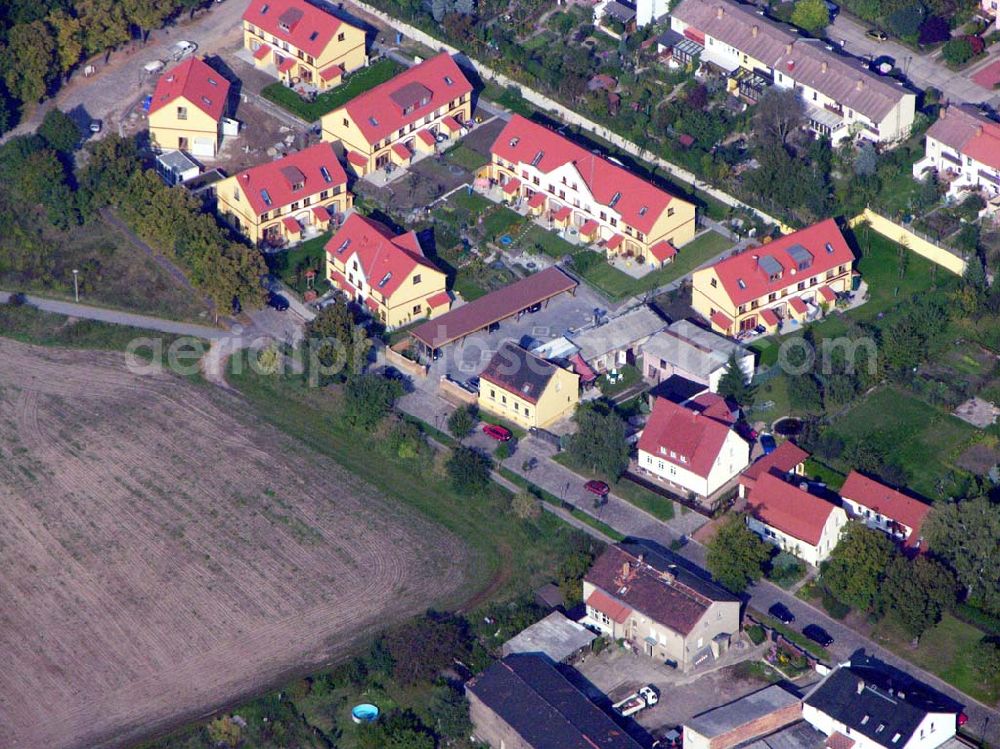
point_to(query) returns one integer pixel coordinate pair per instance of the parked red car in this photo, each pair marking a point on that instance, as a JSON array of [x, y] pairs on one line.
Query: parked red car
[[962, 719], [497, 432], [597, 487]]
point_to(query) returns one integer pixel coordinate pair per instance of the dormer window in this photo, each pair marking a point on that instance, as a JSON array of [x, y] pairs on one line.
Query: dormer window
[[297, 186], [829, 248], [212, 82], [880, 728], [741, 283], [614, 199], [895, 739], [264, 8], [864, 720], [372, 120], [314, 36], [538, 158], [643, 211], [343, 246], [266, 197], [448, 81], [326, 174], [385, 280]]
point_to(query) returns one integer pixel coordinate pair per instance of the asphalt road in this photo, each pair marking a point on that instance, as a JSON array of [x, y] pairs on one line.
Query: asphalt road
[[923, 70]]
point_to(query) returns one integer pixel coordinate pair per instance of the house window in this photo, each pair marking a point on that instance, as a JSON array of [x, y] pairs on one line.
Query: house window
[[340, 37], [306, 201], [503, 399], [526, 413], [182, 113], [670, 211], [516, 406], [715, 283], [493, 394], [295, 206], [324, 195], [346, 123], [416, 309], [236, 195], [416, 279], [263, 216]]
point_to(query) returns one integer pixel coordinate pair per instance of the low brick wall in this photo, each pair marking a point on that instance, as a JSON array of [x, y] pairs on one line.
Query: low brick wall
[[403, 364], [457, 395]]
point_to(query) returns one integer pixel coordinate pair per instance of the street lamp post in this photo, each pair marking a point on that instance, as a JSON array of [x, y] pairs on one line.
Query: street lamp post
[[76, 285]]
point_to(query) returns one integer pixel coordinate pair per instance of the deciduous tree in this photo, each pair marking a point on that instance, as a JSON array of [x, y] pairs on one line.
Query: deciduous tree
[[857, 565], [965, 535], [469, 470], [30, 61], [368, 398], [811, 15], [599, 442], [736, 555], [917, 592]]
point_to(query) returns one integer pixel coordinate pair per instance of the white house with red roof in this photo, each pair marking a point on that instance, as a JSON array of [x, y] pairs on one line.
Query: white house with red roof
[[301, 44], [963, 146], [793, 519], [571, 188], [791, 278], [286, 199], [187, 109], [406, 116], [787, 459], [878, 506], [387, 273], [693, 448]]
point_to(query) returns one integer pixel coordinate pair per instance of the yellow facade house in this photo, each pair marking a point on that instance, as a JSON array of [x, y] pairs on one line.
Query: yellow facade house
[[301, 44], [791, 279], [405, 116], [386, 273], [572, 187], [525, 389], [280, 202], [187, 109]]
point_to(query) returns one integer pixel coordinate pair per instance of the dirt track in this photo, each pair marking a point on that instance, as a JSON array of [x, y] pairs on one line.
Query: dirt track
[[160, 554]]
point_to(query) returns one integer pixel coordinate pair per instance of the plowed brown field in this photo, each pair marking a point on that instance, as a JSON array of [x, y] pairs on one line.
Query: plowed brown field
[[161, 553]]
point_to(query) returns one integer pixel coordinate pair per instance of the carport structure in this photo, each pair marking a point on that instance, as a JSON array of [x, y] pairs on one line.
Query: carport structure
[[493, 308]]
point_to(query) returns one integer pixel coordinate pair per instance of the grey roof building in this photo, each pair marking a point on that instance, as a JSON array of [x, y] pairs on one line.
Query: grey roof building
[[616, 342], [524, 701], [757, 714], [692, 352], [555, 636]]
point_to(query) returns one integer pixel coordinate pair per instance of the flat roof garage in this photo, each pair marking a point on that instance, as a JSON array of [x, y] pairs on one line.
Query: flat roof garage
[[494, 307]]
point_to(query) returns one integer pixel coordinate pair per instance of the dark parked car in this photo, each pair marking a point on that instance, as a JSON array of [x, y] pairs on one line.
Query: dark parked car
[[597, 487], [877, 35], [817, 634], [768, 443], [535, 307], [277, 301], [497, 432], [781, 612]]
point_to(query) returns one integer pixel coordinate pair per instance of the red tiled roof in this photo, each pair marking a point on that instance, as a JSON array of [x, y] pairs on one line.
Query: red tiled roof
[[888, 502], [537, 200], [357, 159], [386, 260], [769, 317], [694, 438], [714, 406], [746, 267], [439, 300], [784, 459], [277, 178], [589, 227], [495, 306], [371, 304], [261, 52], [791, 510], [798, 305], [296, 22], [196, 82], [402, 151], [291, 224], [427, 137], [521, 142], [827, 293], [837, 740], [662, 250], [562, 213], [969, 132], [582, 368], [511, 187], [321, 213], [338, 278], [721, 320], [451, 123], [616, 612], [383, 104], [286, 64], [331, 71], [614, 242]]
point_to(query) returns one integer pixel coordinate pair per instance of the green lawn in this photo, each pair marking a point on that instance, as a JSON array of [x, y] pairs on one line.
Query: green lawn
[[501, 221], [465, 157], [820, 471], [547, 242], [628, 376], [354, 83], [656, 505], [948, 650], [291, 264], [469, 200], [619, 285], [924, 439]]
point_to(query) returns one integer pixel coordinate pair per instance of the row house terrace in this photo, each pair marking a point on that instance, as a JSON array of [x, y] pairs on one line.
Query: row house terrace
[[281, 202], [580, 191], [963, 147], [791, 278], [302, 45], [404, 117], [842, 98]]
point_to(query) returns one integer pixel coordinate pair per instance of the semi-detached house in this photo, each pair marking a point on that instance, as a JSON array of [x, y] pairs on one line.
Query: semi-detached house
[[278, 202], [660, 608], [388, 274], [963, 147], [403, 117], [574, 188], [187, 109], [790, 278], [883, 508], [300, 43], [842, 98]]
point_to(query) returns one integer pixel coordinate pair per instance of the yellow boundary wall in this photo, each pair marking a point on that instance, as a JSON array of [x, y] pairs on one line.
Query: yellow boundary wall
[[923, 247]]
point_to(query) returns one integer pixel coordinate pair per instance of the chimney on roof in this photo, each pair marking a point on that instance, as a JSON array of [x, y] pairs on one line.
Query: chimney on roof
[[754, 30], [822, 66], [979, 130], [756, 261], [861, 686], [641, 558], [790, 64], [860, 84], [719, 12]]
